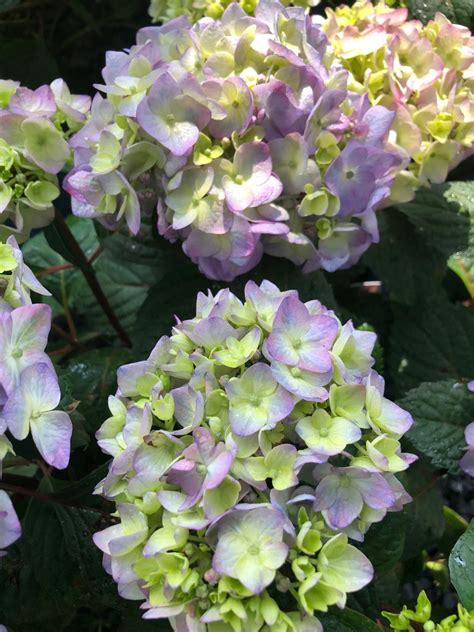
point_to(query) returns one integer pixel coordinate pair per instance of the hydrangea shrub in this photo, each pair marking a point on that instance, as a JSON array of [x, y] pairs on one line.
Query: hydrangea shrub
[[247, 450], [255, 472]]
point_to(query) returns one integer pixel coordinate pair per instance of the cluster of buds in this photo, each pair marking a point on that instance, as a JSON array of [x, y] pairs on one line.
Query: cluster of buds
[[34, 130], [165, 10], [425, 74], [248, 135], [420, 618], [29, 389], [247, 449]]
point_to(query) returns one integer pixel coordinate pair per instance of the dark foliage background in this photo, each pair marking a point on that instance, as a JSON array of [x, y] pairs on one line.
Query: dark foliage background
[[52, 579]]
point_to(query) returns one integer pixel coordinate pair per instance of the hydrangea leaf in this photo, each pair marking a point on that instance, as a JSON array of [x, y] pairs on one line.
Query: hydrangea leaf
[[441, 411], [461, 567]]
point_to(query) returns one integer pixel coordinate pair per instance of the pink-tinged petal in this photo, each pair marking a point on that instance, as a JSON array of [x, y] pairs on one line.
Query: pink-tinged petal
[[189, 405], [469, 434], [379, 121], [312, 357], [52, 436], [467, 463], [218, 469], [30, 326], [280, 405], [204, 443], [394, 418], [292, 315], [128, 376], [238, 196], [40, 386], [253, 162], [17, 414], [323, 329], [304, 384], [10, 528], [211, 332], [37, 392], [341, 503], [267, 192], [183, 137], [375, 491], [163, 612]]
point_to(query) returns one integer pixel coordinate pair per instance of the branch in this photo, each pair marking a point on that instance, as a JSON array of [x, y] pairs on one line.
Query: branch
[[47, 498], [90, 276]]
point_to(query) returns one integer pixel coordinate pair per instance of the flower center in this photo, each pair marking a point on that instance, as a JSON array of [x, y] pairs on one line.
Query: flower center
[[350, 175], [17, 354], [201, 468], [254, 549], [323, 432]]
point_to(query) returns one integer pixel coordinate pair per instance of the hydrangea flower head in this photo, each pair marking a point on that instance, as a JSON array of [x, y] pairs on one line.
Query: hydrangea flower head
[[250, 141], [423, 74], [246, 450], [34, 130]]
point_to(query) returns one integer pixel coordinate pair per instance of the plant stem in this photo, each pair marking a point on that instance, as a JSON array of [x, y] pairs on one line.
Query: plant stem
[[48, 498], [91, 277]]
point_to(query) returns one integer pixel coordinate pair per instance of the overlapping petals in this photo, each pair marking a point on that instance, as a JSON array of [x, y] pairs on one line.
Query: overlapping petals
[[246, 451], [247, 134], [34, 129], [29, 389], [421, 73]]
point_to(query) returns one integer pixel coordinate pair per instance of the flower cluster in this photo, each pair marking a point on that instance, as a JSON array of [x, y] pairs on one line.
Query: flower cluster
[[409, 619], [29, 390], [34, 128], [248, 135], [425, 74], [165, 10], [247, 449]]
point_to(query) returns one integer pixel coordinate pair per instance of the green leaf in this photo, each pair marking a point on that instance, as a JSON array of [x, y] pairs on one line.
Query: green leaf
[[56, 561], [347, 620], [92, 378], [126, 269], [55, 237], [385, 541], [431, 344], [441, 216], [461, 567], [441, 411], [458, 11], [7, 5], [403, 260], [425, 522], [167, 299], [40, 256], [27, 59]]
